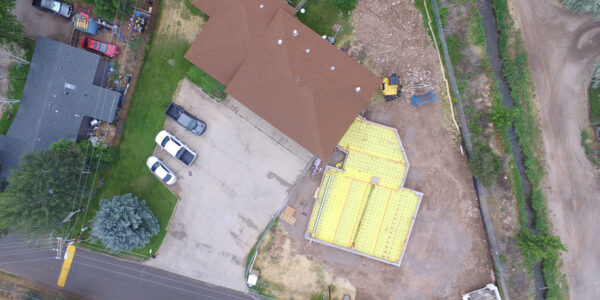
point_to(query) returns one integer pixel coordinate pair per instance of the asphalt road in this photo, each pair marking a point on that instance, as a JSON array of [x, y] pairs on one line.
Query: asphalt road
[[98, 276]]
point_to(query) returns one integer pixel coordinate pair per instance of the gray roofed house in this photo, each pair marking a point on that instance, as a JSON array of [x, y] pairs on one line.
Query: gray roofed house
[[61, 89]]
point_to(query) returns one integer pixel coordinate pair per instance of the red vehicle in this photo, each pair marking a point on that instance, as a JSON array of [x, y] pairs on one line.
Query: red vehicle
[[102, 48]]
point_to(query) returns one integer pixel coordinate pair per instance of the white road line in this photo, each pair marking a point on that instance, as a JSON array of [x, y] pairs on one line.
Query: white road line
[[150, 274], [230, 296]]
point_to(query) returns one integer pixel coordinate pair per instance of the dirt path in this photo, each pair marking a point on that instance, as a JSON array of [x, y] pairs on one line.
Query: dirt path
[[43, 23], [562, 47]]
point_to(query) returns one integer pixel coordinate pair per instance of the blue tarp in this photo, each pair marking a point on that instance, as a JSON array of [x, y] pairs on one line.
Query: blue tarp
[[418, 100], [92, 26]]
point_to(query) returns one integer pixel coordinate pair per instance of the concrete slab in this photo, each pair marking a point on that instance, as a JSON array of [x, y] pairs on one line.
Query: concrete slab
[[241, 178]]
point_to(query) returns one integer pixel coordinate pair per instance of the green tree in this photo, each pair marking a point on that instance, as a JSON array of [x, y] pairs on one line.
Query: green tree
[[124, 223], [111, 9], [583, 6], [11, 30], [596, 76], [538, 247], [346, 6], [40, 192], [485, 164]]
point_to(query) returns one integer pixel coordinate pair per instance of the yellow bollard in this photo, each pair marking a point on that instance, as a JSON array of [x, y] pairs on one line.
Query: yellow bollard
[[62, 279]]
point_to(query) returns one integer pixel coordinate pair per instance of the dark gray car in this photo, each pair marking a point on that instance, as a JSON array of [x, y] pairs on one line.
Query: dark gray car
[[191, 123], [57, 7]]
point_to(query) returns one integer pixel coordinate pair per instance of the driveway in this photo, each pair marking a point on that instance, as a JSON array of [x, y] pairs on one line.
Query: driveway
[[562, 47], [43, 23], [242, 176]]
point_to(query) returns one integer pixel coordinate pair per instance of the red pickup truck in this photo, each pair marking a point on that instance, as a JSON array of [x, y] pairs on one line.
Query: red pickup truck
[[102, 48]]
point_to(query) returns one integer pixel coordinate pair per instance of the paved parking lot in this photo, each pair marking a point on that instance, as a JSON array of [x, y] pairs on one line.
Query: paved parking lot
[[242, 176]]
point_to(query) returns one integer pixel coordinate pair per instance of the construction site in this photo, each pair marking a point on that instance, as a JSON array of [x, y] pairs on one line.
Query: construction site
[[392, 213], [362, 206]]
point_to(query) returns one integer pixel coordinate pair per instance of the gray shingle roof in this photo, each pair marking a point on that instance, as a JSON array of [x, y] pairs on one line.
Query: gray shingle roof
[[49, 111]]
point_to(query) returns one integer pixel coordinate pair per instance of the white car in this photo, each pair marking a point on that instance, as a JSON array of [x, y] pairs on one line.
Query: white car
[[161, 171], [175, 147]]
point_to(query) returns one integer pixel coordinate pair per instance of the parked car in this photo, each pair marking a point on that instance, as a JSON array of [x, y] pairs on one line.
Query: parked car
[[57, 7], [100, 47], [160, 170], [185, 119], [175, 147]]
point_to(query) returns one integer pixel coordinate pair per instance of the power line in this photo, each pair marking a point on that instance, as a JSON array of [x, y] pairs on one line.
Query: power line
[[26, 260], [21, 252], [154, 282], [69, 232], [81, 255]]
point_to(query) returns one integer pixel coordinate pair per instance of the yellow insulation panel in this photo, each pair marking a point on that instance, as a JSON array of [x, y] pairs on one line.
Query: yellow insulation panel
[[365, 207]]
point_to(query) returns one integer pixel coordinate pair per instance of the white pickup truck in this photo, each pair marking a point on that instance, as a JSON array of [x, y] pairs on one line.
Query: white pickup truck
[[175, 147]]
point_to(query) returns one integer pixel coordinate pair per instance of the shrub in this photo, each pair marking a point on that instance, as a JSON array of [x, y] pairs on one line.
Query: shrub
[[124, 223], [538, 247], [346, 6], [485, 164], [596, 77]]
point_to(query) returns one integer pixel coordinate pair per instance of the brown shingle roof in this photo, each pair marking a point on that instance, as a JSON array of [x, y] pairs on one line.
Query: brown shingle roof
[[295, 91]]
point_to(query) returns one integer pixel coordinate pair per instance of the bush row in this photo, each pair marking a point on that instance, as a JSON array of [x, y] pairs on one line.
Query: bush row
[[543, 247]]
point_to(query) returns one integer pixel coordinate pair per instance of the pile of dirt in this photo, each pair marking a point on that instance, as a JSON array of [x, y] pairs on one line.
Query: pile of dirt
[[179, 21], [394, 37], [106, 133], [287, 276]]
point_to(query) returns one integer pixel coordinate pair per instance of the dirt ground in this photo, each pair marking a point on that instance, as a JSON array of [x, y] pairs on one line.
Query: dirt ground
[[15, 288], [562, 47], [289, 276], [447, 253], [43, 23]]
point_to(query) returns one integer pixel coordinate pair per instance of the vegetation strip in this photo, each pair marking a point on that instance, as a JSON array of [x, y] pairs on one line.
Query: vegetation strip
[[438, 37], [544, 247]]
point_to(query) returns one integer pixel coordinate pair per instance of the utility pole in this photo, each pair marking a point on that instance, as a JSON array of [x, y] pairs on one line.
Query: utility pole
[[58, 248]]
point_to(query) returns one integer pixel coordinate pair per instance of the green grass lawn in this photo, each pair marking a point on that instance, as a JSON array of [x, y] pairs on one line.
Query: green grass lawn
[[210, 85], [15, 89], [594, 105], [323, 16], [154, 90]]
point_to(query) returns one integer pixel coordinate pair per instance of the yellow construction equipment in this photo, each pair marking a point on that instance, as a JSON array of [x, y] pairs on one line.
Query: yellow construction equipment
[[391, 87]]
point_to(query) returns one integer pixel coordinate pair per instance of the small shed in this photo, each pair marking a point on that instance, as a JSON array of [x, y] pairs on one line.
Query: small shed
[[489, 292], [85, 23]]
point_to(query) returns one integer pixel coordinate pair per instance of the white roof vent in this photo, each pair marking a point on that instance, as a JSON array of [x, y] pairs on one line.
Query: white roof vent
[[262, 6], [280, 42], [332, 68], [302, 10], [69, 86], [307, 50], [295, 32], [357, 89], [324, 36]]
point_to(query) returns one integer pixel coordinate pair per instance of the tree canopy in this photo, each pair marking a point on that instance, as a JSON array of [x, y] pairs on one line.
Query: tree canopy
[[583, 6], [485, 164], [111, 9], [40, 192], [596, 76], [11, 30], [124, 223]]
